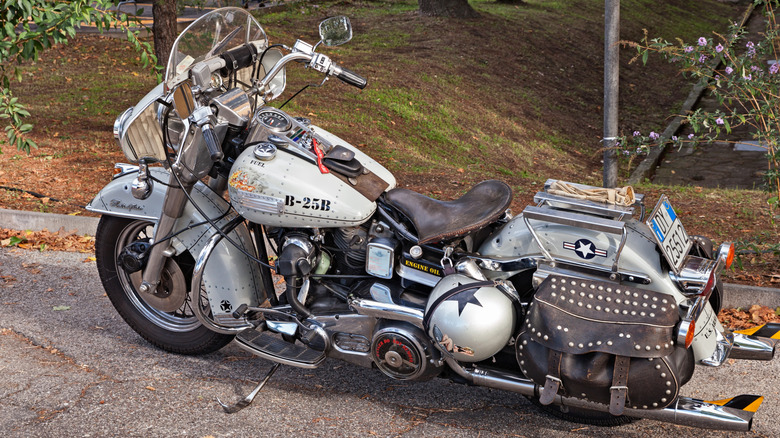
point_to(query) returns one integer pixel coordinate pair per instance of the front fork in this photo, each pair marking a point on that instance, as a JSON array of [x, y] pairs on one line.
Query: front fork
[[173, 208]]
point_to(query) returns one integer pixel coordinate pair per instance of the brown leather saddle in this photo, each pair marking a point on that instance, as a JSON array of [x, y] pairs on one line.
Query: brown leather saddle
[[437, 221]]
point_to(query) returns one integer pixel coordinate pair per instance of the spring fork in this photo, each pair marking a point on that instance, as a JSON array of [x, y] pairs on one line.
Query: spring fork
[[246, 401]]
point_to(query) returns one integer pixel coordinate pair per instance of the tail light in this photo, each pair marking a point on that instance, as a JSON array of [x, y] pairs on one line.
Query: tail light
[[730, 255], [726, 254], [685, 332]]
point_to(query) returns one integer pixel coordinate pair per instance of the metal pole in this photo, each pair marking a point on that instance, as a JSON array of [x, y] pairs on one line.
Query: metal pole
[[611, 79]]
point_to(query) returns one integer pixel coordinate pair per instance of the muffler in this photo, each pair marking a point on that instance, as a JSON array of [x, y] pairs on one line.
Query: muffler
[[684, 411], [752, 347]]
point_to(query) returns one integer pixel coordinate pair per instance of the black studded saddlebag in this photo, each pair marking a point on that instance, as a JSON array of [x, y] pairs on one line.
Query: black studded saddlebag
[[603, 342]]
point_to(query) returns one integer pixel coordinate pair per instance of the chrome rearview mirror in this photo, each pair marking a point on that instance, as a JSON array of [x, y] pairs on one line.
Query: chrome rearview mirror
[[183, 100], [335, 31]]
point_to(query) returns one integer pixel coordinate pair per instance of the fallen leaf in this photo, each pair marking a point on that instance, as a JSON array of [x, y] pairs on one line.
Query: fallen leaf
[[89, 259], [60, 308], [151, 388]]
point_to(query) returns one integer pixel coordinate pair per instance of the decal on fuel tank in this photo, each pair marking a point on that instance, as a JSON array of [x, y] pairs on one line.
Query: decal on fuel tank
[[308, 203]]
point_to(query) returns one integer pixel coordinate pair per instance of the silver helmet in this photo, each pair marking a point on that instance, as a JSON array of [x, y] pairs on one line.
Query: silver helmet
[[472, 323]]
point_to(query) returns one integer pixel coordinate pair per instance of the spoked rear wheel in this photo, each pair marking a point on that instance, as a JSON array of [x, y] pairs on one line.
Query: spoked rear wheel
[[176, 329]]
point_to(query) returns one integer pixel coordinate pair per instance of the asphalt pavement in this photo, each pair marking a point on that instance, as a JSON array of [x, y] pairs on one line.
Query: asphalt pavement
[[71, 367]]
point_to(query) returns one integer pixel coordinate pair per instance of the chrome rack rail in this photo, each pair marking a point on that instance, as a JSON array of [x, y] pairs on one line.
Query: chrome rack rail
[[580, 213]]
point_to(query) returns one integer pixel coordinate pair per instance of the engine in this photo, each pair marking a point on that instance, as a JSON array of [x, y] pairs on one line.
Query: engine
[[351, 242]]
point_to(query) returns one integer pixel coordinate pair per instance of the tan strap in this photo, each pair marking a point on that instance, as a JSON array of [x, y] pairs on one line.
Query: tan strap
[[623, 196]]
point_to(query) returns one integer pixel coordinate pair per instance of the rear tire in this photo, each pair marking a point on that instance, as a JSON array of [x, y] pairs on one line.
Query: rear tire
[[582, 416], [178, 331]]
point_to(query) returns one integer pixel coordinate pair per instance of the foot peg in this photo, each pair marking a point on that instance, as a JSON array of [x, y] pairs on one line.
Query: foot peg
[[268, 346], [246, 401]]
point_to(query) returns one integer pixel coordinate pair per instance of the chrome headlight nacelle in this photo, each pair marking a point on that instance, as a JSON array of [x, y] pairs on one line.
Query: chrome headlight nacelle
[[120, 124]]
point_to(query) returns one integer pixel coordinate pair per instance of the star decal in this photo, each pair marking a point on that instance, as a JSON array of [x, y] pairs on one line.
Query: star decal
[[464, 298], [585, 249]]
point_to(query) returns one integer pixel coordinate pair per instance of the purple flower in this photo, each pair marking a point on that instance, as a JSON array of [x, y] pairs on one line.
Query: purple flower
[[674, 138], [703, 59], [654, 135], [748, 77], [729, 70], [688, 49], [637, 133], [719, 48], [717, 77], [719, 121], [754, 68], [751, 49], [690, 136], [774, 68], [702, 41]]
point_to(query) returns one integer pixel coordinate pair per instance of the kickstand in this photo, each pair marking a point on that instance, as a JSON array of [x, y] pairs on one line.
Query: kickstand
[[246, 401]]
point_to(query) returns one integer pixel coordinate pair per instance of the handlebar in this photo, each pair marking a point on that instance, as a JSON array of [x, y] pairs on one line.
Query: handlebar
[[212, 143], [202, 118], [349, 77]]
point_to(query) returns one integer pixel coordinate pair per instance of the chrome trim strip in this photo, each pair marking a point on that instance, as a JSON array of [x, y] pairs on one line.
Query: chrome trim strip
[[262, 203], [107, 212], [578, 220]]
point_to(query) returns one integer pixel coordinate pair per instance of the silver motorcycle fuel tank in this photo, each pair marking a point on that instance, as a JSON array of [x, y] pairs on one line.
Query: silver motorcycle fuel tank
[[284, 187]]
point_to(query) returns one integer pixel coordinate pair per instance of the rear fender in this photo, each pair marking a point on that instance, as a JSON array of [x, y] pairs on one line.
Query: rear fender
[[230, 277]]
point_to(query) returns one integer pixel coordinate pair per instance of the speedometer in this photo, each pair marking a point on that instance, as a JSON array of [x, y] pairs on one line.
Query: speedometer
[[274, 120]]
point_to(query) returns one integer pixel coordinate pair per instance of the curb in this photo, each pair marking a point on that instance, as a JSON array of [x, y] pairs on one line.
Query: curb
[[740, 295], [34, 221], [735, 295]]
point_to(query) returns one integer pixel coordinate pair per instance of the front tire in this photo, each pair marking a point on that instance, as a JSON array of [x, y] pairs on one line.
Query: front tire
[[178, 331]]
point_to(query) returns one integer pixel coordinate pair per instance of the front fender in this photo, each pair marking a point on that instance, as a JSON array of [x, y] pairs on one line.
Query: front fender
[[230, 277]]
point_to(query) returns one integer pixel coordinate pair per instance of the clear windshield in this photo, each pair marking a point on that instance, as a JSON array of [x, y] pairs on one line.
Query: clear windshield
[[209, 36]]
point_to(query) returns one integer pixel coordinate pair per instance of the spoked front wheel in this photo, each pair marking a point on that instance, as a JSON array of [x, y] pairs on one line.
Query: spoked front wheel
[[174, 328]]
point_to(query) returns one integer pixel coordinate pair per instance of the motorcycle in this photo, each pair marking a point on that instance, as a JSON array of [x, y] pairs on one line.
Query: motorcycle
[[595, 310]]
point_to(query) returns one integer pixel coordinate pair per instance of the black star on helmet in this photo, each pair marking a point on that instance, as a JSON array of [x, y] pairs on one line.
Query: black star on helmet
[[465, 297]]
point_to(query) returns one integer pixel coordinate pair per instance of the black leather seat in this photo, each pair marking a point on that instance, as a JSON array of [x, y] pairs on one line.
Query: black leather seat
[[436, 221]]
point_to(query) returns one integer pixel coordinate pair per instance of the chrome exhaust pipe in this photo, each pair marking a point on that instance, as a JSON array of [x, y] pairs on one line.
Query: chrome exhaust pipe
[[752, 347], [387, 311], [684, 411]]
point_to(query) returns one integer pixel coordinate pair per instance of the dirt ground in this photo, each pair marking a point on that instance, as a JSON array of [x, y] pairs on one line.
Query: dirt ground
[[555, 102]]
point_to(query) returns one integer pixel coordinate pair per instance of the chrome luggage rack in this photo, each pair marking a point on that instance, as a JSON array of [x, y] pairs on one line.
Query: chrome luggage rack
[[591, 215]]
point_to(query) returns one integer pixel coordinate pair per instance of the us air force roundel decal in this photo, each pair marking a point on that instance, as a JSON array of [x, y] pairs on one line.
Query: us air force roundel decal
[[585, 249]]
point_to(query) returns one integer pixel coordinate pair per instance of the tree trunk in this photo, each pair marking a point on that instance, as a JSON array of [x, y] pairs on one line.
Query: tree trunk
[[447, 8], [164, 29]]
